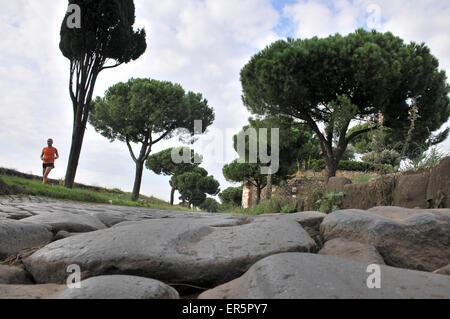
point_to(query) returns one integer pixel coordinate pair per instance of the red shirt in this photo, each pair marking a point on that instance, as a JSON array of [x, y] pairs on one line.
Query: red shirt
[[49, 155]]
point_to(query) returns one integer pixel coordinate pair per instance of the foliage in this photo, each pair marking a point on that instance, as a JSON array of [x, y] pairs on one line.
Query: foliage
[[388, 157], [106, 34], [349, 153], [210, 205], [272, 206], [297, 143], [354, 166], [163, 163], [231, 195], [147, 111], [195, 184], [426, 160], [249, 173], [289, 208], [337, 79], [331, 202], [297, 147]]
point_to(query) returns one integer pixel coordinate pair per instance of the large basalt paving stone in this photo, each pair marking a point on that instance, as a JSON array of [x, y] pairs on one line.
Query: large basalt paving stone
[[406, 238], [181, 250], [310, 276], [10, 275], [18, 235], [120, 287], [344, 248], [68, 222]]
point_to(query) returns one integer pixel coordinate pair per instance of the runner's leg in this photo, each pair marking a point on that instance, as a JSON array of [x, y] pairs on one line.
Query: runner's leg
[[47, 172], [43, 174]]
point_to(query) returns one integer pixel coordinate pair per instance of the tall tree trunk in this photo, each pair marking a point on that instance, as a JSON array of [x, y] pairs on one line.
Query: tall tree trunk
[[85, 72], [172, 195], [258, 194], [75, 151], [143, 155], [331, 169], [137, 181], [269, 187]]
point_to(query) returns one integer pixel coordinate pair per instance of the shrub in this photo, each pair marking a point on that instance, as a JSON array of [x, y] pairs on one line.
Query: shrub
[[319, 165], [289, 209], [210, 205], [388, 157], [426, 160], [231, 195], [330, 202]]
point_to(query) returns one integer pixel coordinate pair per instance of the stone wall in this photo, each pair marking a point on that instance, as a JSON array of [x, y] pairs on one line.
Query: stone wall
[[425, 188]]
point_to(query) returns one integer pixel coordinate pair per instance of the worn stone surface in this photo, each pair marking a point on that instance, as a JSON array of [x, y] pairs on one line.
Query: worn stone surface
[[336, 184], [343, 248], [10, 275], [367, 195], [310, 276], [18, 235], [30, 291], [69, 222], [310, 221], [202, 251], [411, 190], [15, 214], [438, 190], [63, 234], [407, 238], [120, 287], [207, 250]]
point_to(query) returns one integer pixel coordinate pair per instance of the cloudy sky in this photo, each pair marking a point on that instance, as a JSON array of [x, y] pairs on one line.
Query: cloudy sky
[[201, 44]]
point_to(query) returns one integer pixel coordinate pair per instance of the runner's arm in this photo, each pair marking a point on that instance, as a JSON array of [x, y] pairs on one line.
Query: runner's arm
[[57, 155], [42, 155]]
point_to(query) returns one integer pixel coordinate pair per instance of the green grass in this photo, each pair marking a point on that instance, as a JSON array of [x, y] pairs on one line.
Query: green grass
[[273, 206], [99, 196]]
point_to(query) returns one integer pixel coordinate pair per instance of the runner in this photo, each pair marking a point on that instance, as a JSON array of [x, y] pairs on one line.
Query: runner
[[48, 156]]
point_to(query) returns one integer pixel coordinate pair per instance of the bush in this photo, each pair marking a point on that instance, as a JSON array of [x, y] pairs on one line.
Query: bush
[[272, 206], [388, 157], [289, 209], [231, 195], [210, 205], [319, 165], [426, 160], [330, 202]]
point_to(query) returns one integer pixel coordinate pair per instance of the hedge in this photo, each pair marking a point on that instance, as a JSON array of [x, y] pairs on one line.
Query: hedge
[[319, 165]]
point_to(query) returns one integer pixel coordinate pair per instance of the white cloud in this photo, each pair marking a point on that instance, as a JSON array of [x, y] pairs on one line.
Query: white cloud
[[322, 18]]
